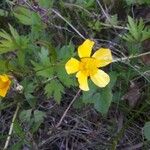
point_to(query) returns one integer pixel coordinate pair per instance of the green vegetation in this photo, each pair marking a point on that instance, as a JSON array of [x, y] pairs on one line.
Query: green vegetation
[[44, 107]]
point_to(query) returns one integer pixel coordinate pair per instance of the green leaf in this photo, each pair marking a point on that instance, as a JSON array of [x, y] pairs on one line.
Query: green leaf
[[54, 88], [44, 56], [44, 67], [103, 100], [78, 104], [46, 3], [28, 92], [3, 12], [147, 130], [66, 52], [24, 15], [13, 42], [39, 116], [25, 115], [95, 25], [85, 3], [7, 42], [18, 130], [14, 34], [67, 80], [137, 31], [17, 145], [35, 127], [113, 20], [87, 96], [3, 66], [34, 120], [31, 18], [113, 78]]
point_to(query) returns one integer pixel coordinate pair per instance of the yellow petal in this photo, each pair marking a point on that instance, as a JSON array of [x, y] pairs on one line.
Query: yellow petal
[[3, 91], [4, 78], [82, 79], [72, 66], [101, 78], [104, 56], [4, 85], [85, 49]]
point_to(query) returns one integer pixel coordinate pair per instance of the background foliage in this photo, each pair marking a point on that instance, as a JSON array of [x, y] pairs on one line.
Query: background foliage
[[36, 40]]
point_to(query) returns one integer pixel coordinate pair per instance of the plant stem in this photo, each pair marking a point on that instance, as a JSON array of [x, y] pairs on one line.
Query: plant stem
[[64, 114], [130, 57], [59, 15], [114, 26], [11, 127]]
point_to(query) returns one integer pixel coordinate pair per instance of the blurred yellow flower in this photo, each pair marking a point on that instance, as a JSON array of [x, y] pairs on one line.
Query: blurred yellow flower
[[88, 65], [4, 84]]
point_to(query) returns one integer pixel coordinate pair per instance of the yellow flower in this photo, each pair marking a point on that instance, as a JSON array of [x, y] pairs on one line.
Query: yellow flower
[[4, 84], [88, 65]]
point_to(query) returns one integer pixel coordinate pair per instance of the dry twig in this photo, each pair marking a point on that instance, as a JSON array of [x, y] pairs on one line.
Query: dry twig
[[11, 127], [64, 114]]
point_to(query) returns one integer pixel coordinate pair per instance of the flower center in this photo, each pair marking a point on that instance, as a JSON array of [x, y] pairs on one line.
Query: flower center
[[88, 66]]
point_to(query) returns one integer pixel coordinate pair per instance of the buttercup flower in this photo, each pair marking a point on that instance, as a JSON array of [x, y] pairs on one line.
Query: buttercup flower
[[88, 65], [4, 84]]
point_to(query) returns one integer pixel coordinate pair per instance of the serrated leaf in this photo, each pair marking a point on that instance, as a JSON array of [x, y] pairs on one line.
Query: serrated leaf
[[23, 15], [68, 81], [44, 56], [44, 67], [7, 44], [137, 31], [5, 35], [14, 34], [54, 88], [133, 27], [39, 116], [25, 115], [28, 92], [12, 42], [66, 52]]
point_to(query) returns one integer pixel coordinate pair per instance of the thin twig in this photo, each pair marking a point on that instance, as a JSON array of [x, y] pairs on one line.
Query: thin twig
[[90, 14], [114, 26], [65, 112], [59, 15], [107, 17], [130, 57], [11, 127], [103, 11]]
